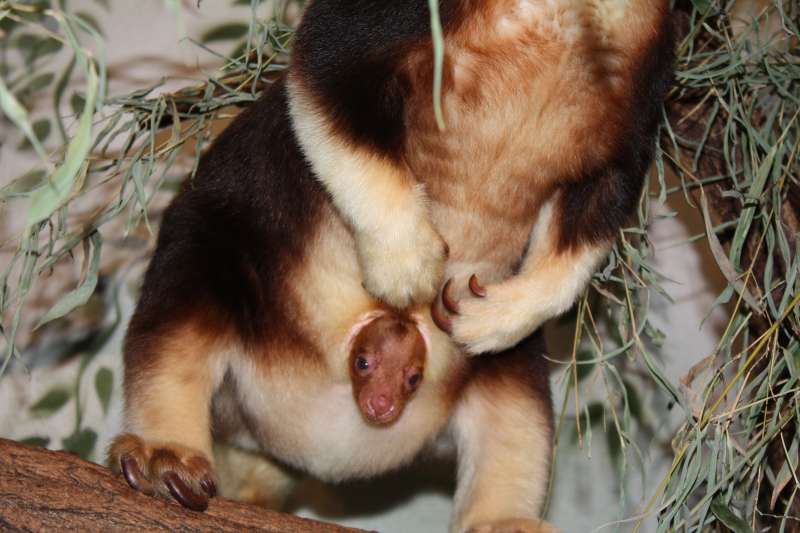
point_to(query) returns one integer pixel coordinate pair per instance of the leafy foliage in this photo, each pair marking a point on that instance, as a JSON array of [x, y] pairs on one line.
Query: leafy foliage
[[113, 140]]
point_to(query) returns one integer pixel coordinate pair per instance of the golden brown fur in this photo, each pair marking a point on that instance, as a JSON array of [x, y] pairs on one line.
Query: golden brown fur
[[332, 202], [536, 93]]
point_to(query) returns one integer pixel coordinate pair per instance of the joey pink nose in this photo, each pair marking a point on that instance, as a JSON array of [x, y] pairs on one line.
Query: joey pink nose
[[379, 405]]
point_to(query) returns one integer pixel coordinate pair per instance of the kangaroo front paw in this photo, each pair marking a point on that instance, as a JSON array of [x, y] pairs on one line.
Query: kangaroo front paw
[[403, 268], [490, 318], [514, 525], [165, 469]]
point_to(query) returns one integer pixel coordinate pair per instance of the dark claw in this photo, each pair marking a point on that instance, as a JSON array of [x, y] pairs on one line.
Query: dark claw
[[475, 287], [449, 302], [133, 474], [440, 318], [446, 250], [209, 486], [184, 494]]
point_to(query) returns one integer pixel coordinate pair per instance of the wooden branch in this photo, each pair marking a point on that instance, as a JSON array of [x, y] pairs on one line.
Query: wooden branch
[[42, 490]]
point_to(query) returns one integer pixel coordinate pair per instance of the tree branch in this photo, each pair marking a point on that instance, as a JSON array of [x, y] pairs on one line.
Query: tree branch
[[42, 490]]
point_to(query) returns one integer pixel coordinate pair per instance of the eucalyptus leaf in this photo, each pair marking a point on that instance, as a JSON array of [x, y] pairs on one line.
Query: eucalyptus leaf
[[103, 385], [89, 19], [58, 94], [438, 62], [46, 200], [727, 517], [17, 114], [52, 401], [744, 226], [786, 473], [81, 294]]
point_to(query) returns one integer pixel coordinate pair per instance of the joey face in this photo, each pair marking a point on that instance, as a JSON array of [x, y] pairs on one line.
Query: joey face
[[387, 363]]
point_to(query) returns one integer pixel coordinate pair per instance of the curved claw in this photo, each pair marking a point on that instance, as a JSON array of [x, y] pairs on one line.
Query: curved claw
[[440, 317], [476, 288], [450, 303], [209, 486], [184, 494], [134, 475]]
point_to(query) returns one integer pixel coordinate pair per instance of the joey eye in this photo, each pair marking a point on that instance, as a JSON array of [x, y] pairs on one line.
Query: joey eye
[[414, 379], [361, 363]]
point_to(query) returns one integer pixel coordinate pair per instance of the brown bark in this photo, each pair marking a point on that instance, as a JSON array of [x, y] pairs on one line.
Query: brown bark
[[42, 490]]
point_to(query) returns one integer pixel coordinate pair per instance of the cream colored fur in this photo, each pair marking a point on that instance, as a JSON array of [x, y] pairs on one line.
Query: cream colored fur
[[252, 477], [176, 405], [305, 409], [514, 128], [547, 285], [400, 252], [496, 482]]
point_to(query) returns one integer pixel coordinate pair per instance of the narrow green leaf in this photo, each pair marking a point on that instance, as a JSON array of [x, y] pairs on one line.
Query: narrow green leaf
[[52, 401], [726, 516], [81, 294], [748, 212], [89, 19], [103, 385], [137, 173], [723, 261], [58, 94], [438, 62], [786, 473], [46, 200], [17, 114]]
